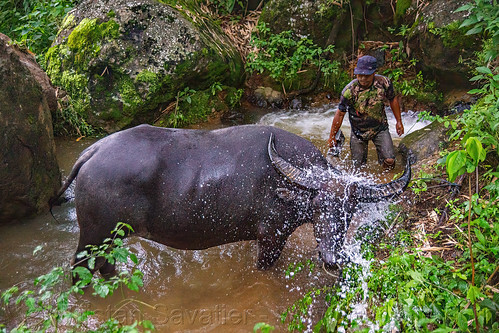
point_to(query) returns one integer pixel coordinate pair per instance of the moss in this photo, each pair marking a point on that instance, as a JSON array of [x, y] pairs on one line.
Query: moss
[[110, 96], [129, 95], [233, 98], [400, 9], [74, 83], [68, 22], [149, 80], [67, 65], [85, 40]]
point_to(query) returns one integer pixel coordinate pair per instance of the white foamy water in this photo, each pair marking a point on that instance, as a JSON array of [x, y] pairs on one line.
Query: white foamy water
[[315, 123]]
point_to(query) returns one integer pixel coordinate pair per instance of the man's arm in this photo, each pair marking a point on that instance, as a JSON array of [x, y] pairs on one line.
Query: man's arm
[[395, 106], [335, 126]]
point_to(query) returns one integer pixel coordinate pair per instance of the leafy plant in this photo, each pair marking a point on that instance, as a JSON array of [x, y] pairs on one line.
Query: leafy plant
[[483, 19], [223, 7], [284, 56], [33, 24], [48, 304], [177, 118], [216, 87], [234, 98], [263, 327], [68, 120], [465, 160]]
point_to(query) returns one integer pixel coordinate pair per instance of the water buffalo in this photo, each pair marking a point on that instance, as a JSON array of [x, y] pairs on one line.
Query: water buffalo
[[193, 189]]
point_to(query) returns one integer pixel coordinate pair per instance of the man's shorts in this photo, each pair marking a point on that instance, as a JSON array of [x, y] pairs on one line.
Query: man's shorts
[[382, 141]]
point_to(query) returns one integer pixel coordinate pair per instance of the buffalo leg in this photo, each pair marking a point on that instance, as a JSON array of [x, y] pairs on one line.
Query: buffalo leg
[[100, 262], [107, 270], [269, 250]]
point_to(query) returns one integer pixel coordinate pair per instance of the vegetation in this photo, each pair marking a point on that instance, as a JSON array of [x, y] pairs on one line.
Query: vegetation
[[285, 56], [48, 305], [33, 24]]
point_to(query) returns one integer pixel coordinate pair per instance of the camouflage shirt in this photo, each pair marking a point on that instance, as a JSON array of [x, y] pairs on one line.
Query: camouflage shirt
[[366, 106]]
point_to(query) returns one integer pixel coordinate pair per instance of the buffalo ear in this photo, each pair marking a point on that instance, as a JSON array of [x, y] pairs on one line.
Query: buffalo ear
[[286, 195]]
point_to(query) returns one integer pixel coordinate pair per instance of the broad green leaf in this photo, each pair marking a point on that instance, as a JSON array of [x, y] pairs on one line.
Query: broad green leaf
[[480, 236], [473, 293], [484, 70], [468, 22], [133, 258], [101, 289], [83, 274], [475, 149], [477, 77], [474, 30], [462, 322], [475, 91], [147, 324], [455, 163], [463, 8], [91, 263], [417, 276]]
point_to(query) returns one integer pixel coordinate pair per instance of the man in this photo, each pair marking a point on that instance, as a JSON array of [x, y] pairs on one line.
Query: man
[[364, 99]]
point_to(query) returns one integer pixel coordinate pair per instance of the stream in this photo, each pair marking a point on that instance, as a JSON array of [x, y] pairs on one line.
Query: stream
[[213, 290]]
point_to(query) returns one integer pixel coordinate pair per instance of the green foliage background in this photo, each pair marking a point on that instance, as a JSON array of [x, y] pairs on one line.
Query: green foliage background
[[33, 23]]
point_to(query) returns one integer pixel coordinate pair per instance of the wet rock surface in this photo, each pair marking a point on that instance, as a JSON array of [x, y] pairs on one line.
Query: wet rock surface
[[29, 174], [442, 46], [425, 142]]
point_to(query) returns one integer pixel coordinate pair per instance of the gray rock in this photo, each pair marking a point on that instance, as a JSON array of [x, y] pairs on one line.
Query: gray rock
[[266, 96], [29, 174], [442, 46], [424, 142], [123, 61]]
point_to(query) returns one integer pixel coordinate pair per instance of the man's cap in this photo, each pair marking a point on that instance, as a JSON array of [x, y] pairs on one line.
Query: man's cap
[[366, 65]]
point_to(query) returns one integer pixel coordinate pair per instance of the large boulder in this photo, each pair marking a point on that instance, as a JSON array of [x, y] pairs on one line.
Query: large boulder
[[122, 62], [426, 141], [311, 18], [29, 174], [443, 47]]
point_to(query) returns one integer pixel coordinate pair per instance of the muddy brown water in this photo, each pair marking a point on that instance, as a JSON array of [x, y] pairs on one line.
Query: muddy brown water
[[213, 290]]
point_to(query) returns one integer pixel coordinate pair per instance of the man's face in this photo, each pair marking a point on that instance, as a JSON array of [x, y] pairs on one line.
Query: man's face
[[365, 80]]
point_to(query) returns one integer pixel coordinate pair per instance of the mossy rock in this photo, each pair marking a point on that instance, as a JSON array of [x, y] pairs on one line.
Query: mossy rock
[[313, 19], [446, 52], [122, 61], [29, 174]]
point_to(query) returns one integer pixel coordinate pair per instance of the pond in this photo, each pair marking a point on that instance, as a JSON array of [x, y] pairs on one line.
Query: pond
[[213, 290]]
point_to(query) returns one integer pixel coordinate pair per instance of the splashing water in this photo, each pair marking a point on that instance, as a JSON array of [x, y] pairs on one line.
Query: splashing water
[[315, 123]]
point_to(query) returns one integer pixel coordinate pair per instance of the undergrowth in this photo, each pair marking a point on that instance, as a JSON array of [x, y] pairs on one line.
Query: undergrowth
[[286, 58], [33, 24], [49, 305]]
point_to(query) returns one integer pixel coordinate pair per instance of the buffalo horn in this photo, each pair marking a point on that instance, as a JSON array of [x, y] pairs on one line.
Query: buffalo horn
[[374, 193], [293, 174]]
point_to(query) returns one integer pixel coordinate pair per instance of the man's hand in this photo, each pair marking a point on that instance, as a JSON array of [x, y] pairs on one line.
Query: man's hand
[[400, 128], [331, 142], [335, 127]]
